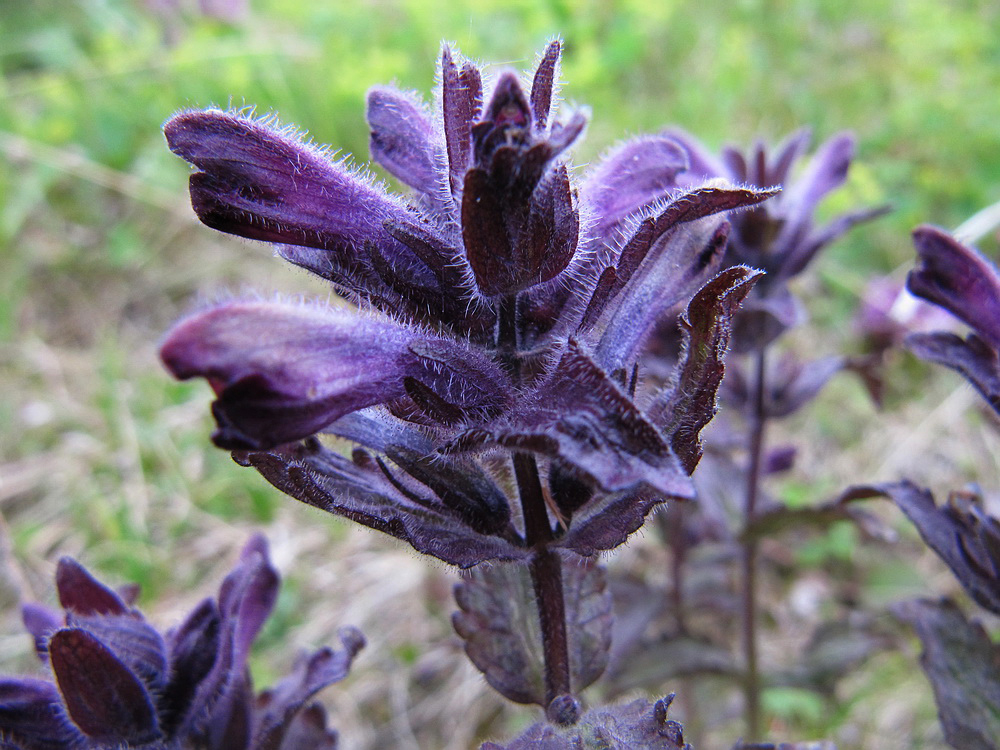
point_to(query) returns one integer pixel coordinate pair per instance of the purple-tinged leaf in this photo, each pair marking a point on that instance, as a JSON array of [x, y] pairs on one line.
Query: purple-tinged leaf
[[402, 138], [104, 699], [462, 486], [444, 260], [332, 483], [691, 401], [548, 241], [961, 532], [461, 102], [487, 241], [764, 317], [959, 279], [498, 620], [774, 519], [542, 85], [581, 416], [971, 357], [259, 183], [606, 521], [637, 726], [787, 153], [278, 709], [962, 665], [283, 372], [82, 594]]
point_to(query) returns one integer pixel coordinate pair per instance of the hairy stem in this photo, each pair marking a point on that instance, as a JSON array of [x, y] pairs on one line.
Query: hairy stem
[[758, 424], [546, 577], [546, 566]]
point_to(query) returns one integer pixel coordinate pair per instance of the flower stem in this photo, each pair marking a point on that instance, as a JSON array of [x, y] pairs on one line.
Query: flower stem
[[758, 423], [545, 566], [546, 577]]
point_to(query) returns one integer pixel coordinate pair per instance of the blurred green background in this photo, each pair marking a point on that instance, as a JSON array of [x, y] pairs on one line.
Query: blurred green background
[[103, 457]]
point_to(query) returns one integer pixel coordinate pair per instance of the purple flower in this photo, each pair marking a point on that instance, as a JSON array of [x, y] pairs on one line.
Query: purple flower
[[780, 236], [963, 282], [116, 681], [503, 307]]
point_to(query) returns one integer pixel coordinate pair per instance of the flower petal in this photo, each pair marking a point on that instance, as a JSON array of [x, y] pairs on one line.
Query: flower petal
[[629, 179], [959, 279], [402, 138], [283, 372]]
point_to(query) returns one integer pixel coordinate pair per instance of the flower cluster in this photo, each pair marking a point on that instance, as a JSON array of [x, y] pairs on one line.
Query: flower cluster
[[502, 308], [118, 682], [780, 236]]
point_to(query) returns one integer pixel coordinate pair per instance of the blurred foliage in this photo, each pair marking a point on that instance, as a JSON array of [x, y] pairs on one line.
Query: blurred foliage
[[99, 252]]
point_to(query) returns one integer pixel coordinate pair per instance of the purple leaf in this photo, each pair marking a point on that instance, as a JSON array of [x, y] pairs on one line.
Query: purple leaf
[[971, 357], [104, 699], [959, 279], [247, 595], [41, 622], [193, 651], [962, 665], [638, 726], [330, 482], [283, 372], [691, 401], [402, 138], [499, 623], [961, 532]]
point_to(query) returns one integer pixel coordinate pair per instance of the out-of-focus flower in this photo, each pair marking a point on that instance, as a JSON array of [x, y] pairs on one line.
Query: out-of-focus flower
[[118, 682], [963, 282], [503, 306], [780, 236]]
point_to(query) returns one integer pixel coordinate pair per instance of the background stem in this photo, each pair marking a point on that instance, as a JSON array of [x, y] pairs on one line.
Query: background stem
[[758, 423]]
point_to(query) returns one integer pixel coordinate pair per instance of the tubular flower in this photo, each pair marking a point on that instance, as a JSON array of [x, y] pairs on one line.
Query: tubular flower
[[503, 306], [118, 682], [960, 280]]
